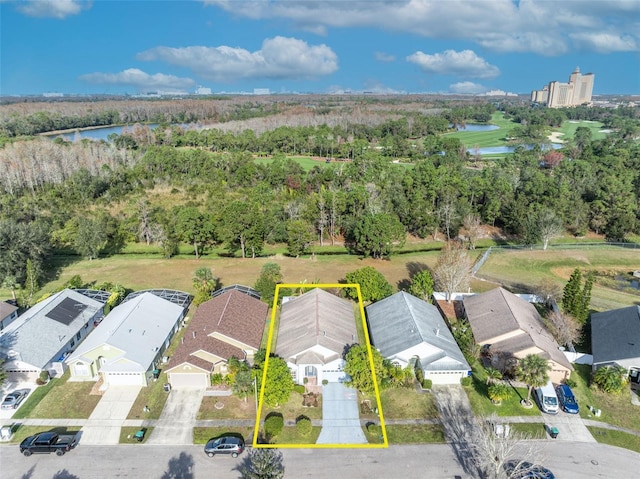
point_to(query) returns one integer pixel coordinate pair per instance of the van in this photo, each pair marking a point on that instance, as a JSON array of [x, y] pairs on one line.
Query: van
[[547, 398]]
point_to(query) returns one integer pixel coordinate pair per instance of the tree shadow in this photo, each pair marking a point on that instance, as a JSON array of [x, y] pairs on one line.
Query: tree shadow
[[180, 467], [415, 267], [64, 474], [29, 473]]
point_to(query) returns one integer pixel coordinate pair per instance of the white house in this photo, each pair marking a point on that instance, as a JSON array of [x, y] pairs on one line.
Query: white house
[[41, 338], [129, 344], [407, 330], [315, 328]]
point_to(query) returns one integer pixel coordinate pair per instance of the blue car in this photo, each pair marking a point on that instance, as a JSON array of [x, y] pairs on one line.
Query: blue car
[[567, 399]]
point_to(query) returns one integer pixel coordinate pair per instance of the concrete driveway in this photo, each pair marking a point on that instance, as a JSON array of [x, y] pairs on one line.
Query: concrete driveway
[[570, 427], [106, 419], [178, 418], [340, 416], [10, 387]]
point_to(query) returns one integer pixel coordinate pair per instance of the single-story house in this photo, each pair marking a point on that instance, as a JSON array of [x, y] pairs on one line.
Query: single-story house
[[615, 339], [44, 335], [229, 325], [129, 343], [503, 323], [8, 314], [409, 331], [315, 330]]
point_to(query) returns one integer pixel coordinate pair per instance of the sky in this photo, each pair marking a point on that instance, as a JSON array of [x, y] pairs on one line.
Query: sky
[[315, 46]]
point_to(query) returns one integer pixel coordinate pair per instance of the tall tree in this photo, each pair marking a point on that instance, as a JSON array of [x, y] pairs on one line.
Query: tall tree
[[31, 281], [564, 328], [358, 367], [270, 276], [576, 297], [533, 370], [471, 225], [262, 463], [204, 283], [91, 237], [278, 384], [373, 285], [300, 236], [422, 285], [452, 269], [377, 235], [194, 227], [242, 227]]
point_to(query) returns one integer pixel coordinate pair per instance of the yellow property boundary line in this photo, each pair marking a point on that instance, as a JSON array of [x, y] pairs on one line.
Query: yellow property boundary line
[[274, 308]]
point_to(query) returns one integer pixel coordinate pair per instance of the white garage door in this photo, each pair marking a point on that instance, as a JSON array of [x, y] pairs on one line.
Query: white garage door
[[124, 379], [444, 377], [188, 380]]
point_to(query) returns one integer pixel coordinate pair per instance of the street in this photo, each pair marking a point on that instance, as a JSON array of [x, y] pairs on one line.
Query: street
[[572, 460]]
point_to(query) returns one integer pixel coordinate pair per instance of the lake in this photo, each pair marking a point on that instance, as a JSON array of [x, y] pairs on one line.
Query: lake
[[494, 150], [476, 127], [96, 133]]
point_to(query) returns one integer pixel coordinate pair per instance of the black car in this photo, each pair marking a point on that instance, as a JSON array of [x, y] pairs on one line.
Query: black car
[[227, 444], [526, 470], [14, 398]]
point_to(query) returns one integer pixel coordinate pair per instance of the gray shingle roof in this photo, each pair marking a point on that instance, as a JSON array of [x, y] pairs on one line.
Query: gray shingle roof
[[615, 335], [315, 318], [37, 338], [136, 327], [403, 321]]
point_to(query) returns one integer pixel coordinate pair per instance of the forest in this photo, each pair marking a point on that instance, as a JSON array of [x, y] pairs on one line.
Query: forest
[[375, 171]]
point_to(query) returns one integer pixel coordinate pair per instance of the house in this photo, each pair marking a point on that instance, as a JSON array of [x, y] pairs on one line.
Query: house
[[8, 313], [42, 337], [129, 343], [409, 331], [615, 339], [507, 325], [315, 330], [229, 325]]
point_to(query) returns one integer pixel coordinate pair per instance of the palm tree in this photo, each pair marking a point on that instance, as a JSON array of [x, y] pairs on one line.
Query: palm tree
[[493, 375], [204, 281], [533, 370], [498, 392], [611, 379]]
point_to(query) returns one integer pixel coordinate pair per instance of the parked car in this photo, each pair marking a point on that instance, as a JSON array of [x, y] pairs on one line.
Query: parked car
[[14, 398], [48, 442], [526, 470], [567, 399], [547, 399], [227, 444]]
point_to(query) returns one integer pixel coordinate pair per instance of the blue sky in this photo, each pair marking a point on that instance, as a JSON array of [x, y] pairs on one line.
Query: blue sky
[[309, 46]]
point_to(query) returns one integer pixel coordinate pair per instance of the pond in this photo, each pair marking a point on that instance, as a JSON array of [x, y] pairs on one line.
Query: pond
[[477, 127], [493, 150], [103, 132]]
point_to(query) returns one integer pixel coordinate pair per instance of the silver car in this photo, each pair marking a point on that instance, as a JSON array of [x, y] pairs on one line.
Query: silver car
[[14, 398]]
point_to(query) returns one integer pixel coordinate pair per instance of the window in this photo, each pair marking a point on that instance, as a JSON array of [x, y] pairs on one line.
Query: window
[[79, 335], [73, 342]]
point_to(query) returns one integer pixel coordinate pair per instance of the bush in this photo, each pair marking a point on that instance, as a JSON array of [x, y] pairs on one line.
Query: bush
[[427, 383], [325, 382], [373, 428], [466, 381], [217, 379], [43, 378], [299, 388], [273, 424], [304, 426], [572, 383]]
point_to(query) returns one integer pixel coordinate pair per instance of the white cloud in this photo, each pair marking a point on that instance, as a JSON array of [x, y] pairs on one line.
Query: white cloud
[[384, 57], [279, 58], [539, 26], [53, 8], [605, 42], [467, 87], [140, 80], [450, 62]]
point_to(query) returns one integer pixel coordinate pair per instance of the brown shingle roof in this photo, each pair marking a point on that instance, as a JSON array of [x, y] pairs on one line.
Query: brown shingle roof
[[233, 314], [499, 312]]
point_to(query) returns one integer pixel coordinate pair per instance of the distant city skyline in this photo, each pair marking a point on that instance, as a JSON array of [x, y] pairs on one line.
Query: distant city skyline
[[325, 46], [577, 91]]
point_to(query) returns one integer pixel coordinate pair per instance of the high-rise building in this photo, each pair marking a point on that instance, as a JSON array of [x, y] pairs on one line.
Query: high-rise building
[[577, 91]]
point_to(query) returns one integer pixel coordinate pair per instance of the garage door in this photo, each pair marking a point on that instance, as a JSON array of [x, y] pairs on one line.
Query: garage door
[[22, 376], [188, 380], [124, 379]]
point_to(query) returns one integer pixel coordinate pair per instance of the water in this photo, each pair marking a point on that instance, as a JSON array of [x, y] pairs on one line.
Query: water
[[476, 127], [493, 150], [101, 133]]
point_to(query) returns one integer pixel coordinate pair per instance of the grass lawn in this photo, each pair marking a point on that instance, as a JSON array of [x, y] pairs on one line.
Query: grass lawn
[[294, 408], [409, 434], [202, 434], [290, 435], [127, 435], [306, 162], [537, 430], [569, 129], [487, 138], [616, 410], [64, 400], [615, 438], [482, 405], [232, 408], [34, 399], [402, 403], [22, 432]]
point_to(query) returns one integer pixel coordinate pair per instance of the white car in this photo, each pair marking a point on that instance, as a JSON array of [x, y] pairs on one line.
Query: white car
[[14, 398]]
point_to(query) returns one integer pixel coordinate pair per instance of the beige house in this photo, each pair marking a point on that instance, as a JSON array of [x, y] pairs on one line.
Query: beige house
[[315, 330], [507, 324], [229, 325]]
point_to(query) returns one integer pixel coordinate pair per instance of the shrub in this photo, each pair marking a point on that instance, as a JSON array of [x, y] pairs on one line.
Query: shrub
[[273, 424], [466, 381], [611, 379], [373, 428], [427, 383], [304, 426], [325, 382], [572, 383], [299, 388], [498, 392], [217, 379], [43, 378]]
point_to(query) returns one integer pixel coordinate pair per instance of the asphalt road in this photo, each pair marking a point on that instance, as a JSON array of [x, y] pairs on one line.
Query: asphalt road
[[572, 460]]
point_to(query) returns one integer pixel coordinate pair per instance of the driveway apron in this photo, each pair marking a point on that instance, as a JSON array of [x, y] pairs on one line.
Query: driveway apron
[[108, 416], [340, 416], [178, 418], [570, 427]]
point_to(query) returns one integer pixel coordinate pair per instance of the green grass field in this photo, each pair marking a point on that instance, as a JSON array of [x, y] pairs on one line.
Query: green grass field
[[486, 138], [569, 128]]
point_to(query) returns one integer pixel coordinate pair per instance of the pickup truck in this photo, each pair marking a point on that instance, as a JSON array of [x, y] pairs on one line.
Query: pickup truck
[[47, 442]]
